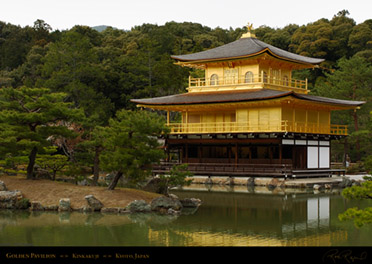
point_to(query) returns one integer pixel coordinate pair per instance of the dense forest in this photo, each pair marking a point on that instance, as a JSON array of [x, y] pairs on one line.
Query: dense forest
[[99, 72]]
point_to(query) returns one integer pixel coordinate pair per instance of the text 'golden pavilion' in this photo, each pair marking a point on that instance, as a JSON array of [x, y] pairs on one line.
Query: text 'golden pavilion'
[[248, 116]]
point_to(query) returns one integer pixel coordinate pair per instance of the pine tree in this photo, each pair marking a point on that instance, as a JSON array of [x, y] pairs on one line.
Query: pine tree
[[132, 145], [30, 118], [360, 216]]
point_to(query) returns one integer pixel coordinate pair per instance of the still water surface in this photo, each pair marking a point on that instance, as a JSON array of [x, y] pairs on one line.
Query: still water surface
[[228, 217]]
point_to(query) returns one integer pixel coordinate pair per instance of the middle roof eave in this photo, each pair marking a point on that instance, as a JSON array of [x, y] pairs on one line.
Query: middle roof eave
[[212, 97], [238, 96]]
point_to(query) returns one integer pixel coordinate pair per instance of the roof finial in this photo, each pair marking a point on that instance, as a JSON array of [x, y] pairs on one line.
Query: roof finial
[[249, 34], [249, 27]]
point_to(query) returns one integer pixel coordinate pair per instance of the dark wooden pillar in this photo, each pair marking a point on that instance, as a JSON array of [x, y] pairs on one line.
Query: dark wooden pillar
[[180, 152], [229, 150], [167, 151], [200, 153], [271, 154], [236, 155], [187, 153]]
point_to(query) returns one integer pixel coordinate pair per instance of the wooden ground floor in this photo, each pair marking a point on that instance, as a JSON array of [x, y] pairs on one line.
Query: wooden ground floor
[[252, 155]]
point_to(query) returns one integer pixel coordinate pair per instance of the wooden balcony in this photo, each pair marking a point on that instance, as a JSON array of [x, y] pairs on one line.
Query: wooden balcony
[[273, 127], [242, 82]]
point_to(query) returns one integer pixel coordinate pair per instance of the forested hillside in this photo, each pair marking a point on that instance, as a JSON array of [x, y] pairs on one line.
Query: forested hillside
[[101, 71]]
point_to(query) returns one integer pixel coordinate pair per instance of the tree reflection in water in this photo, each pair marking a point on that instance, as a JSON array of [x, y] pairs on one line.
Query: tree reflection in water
[[227, 217]]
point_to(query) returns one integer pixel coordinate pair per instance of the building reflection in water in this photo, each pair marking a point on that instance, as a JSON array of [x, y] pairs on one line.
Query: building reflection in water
[[259, 217], [228, 217], [318, 212]]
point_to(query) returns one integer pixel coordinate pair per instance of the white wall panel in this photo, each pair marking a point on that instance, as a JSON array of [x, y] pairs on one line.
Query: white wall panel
[[312, 158], [324, 157]]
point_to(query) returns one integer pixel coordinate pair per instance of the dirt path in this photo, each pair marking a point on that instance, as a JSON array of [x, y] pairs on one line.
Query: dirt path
[[49, 192]]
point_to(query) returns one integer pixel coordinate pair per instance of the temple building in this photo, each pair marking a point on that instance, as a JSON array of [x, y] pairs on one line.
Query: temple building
[[248, 116]]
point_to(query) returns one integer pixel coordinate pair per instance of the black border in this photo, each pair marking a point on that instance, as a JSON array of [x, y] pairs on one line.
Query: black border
[[185, 254]]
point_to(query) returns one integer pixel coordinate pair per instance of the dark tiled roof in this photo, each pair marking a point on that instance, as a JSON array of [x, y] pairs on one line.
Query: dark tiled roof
[[212, 97], [238, 96], [329, 100], [244, 47]]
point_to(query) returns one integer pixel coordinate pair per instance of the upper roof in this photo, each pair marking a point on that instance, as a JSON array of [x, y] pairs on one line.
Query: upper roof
[[238, 96], [242, 48]]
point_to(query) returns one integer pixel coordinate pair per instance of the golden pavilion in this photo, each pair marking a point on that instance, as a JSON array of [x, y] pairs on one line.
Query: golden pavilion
[[248, 116]]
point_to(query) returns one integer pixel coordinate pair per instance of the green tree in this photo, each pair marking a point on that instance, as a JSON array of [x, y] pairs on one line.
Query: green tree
[[324, 39], [132, 145], [31, 118], [41, 35], [15, 43], [177, 177], [342, 26], [361, 36], [71, 66], [90, 149], [280, 38], [51, 161], [30, 71], [360, 216], [351, 81]]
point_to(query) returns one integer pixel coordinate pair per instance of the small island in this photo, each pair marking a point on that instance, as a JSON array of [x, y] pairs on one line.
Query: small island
[[45, 195]]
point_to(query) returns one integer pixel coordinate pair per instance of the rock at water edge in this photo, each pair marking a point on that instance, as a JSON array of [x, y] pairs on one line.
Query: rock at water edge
[[251, 182], [51, 208], [94, 203], [3, 186], [346, 182], [273, 184], [110, 210], [160, 203], [9, 199], [36, 206], [64, 204], [139, 206], [190, 202]]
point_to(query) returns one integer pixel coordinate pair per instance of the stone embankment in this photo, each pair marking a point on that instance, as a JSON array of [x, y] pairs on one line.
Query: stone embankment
[[272, 183], [164, 205]]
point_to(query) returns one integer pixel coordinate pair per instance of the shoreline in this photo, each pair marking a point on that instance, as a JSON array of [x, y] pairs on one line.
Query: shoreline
[[18, 193], [271, 182], [49, 192]]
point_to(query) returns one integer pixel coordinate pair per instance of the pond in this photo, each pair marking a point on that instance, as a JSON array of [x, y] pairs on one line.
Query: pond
[[229, 216]]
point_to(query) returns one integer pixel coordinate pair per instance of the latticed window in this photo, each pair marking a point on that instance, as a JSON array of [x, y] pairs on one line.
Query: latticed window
[[214, 79], [285, 80], [231, 76], [264, 77], [248, 78]]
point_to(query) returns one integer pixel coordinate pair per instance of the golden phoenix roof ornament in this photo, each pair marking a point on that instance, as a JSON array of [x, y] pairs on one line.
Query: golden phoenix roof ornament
[[249, 33], [249, 27]]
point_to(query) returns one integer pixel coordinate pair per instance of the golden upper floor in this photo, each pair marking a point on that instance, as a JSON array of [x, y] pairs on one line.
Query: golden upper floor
[[248, 87], [247, 63], [246, 78]]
